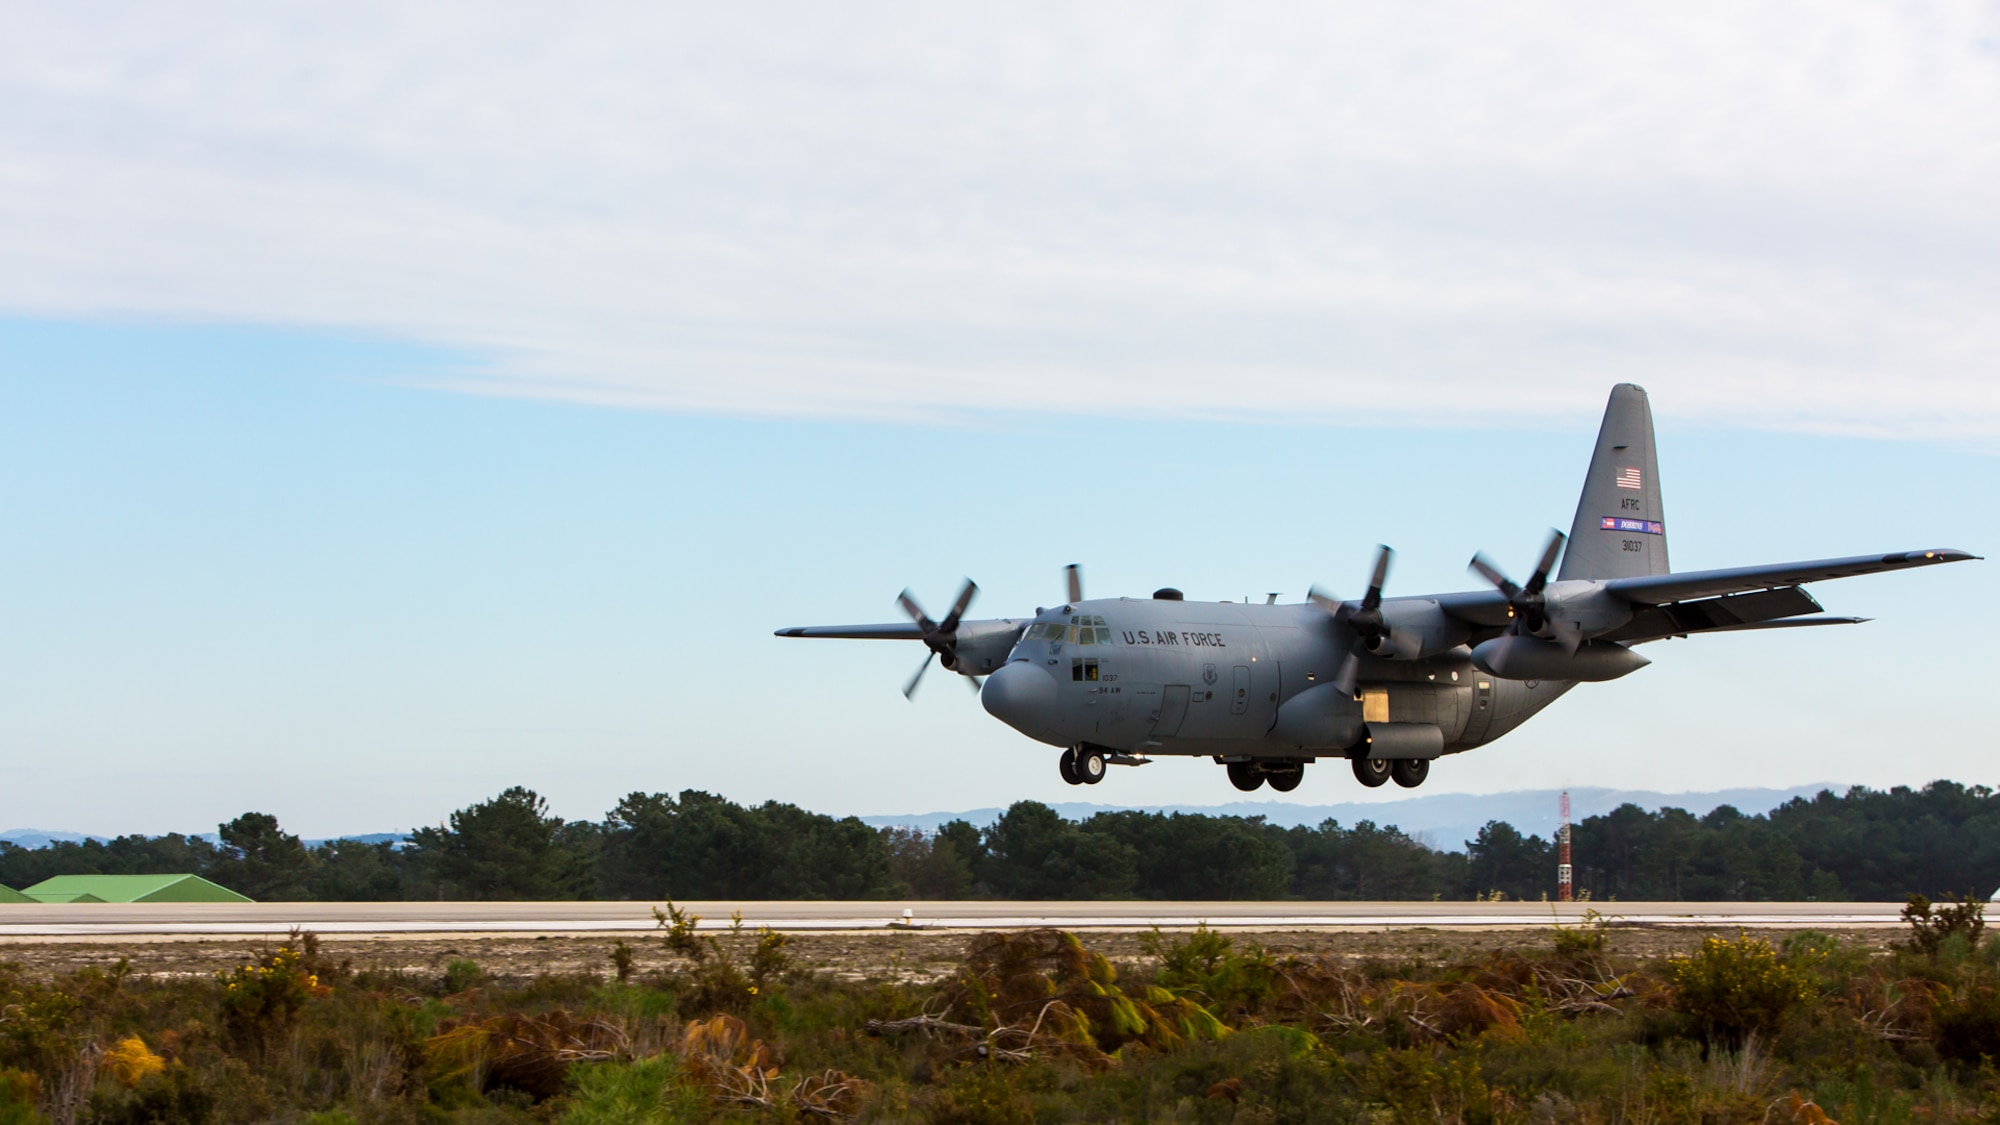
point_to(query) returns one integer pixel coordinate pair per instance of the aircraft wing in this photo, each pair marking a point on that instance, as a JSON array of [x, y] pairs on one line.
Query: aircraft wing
[[1714, 601], [895, 631], [1660, 589]]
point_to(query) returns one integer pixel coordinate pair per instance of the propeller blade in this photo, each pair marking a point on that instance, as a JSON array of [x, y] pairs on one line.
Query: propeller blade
[[910, 689], [1570, 634], [916, 613], [1324, 600], [1552, 549], [1073, 579], [1492, 575], [1350, 670], [974, 682], [950, 624], [1373, 599]]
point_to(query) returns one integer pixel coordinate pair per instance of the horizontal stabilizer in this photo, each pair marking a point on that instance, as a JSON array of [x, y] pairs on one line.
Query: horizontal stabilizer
[[895, 631]]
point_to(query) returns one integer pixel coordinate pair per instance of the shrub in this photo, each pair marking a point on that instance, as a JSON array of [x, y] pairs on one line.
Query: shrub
[[460, 975], [1732, 989], [130, 1060], [261, 1001], [647, 1092], [1933, 924], [1968, 1029], [1206, 967], [18, 1092]]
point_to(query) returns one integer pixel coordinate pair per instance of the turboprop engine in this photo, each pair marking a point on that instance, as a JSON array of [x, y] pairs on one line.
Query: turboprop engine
[[1517, 657], [1396, 632]]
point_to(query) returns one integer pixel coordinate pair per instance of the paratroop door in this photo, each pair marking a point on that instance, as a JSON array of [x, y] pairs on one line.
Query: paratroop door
[[1173, 708]]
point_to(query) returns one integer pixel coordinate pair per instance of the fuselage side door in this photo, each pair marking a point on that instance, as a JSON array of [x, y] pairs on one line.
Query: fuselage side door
[[1173, 710]]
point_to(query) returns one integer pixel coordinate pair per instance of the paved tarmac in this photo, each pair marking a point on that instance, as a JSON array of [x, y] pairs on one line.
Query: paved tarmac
[[168, 920]]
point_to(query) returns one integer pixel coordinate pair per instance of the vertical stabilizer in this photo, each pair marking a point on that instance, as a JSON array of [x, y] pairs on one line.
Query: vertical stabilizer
[[1620, 529]]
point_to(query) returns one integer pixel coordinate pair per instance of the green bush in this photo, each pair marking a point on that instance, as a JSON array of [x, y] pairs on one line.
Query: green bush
[[646, 1092], [460, 975], [1932, 925], [1732, 989], [17, 1098], [1205, 966]]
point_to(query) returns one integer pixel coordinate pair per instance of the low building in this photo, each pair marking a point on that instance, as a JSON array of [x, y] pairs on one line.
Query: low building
[[130, 888], [9, 894]]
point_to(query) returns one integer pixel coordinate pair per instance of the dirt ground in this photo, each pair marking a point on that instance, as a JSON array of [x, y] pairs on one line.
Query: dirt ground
[[912, 956]]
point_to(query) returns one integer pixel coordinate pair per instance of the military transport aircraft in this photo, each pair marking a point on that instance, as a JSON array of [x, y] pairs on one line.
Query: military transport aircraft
[[1390, 684]]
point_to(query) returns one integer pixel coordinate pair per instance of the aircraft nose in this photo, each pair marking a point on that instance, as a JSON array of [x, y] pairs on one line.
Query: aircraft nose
[[1020, 695]]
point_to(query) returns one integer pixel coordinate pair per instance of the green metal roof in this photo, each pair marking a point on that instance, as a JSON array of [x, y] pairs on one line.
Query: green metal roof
[[9, 894], [131, 888]]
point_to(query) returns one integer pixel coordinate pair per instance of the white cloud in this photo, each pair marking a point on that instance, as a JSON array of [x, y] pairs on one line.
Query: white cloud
[[1774, 215]]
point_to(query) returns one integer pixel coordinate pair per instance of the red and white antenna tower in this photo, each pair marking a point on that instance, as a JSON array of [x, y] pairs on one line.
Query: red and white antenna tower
[[1563, 888]]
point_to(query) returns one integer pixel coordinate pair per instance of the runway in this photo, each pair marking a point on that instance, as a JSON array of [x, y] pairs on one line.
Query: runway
[[168, 921]]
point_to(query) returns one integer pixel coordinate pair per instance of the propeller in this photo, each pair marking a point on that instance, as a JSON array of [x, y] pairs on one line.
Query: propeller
[[1073, 579], [1365, 618], [940, 637], [1527, 603]]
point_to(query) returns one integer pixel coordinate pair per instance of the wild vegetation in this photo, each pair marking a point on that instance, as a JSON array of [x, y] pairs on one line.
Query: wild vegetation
[[1863, 845], [725, 1025]]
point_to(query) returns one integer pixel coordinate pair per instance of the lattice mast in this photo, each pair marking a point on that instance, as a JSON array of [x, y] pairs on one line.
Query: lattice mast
[[1564, 892]]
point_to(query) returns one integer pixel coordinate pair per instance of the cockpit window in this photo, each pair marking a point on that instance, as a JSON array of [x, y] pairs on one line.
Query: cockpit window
[[1082, 629]]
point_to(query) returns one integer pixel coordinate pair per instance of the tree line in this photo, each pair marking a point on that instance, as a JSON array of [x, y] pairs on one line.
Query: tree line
[[1862, 845]]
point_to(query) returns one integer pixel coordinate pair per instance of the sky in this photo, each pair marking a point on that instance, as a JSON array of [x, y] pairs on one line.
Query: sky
[[400, 404]]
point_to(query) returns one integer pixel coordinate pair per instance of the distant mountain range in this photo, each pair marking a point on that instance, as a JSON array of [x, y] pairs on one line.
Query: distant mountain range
[[39, 838], [1444, 820]]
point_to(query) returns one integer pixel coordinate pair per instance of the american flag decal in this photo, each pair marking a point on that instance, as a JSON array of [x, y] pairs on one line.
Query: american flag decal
[[1629, 478]]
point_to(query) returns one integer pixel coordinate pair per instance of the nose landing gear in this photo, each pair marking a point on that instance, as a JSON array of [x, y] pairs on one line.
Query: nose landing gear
[[1081, 767]]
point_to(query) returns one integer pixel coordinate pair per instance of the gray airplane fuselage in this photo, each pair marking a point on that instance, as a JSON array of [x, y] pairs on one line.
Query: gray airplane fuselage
[[1235, 680], [1388, 683]]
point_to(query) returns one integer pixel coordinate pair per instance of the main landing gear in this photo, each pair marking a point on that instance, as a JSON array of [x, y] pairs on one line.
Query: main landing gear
[[1407, 772], [1283, 776], [1081, 766]]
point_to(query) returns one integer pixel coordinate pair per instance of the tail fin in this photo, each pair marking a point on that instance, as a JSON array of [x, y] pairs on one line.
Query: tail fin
[[1620, 529]]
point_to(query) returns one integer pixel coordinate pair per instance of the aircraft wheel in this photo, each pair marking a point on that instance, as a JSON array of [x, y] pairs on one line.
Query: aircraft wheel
[[1245, 775], [1410, 772], [1066, 765], [1371, 772], [1287, 779], [1089, 767]]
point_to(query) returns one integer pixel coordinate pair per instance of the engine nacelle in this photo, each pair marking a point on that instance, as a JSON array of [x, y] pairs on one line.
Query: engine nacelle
[[1417, 630], [1515, 657], [1319, 718], [984, 645]]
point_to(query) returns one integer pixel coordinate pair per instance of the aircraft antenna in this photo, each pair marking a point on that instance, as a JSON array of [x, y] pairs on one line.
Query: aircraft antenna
[[1564, 891]]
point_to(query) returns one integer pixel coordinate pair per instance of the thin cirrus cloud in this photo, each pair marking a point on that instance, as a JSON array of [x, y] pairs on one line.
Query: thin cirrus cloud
[[1778, 215]]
